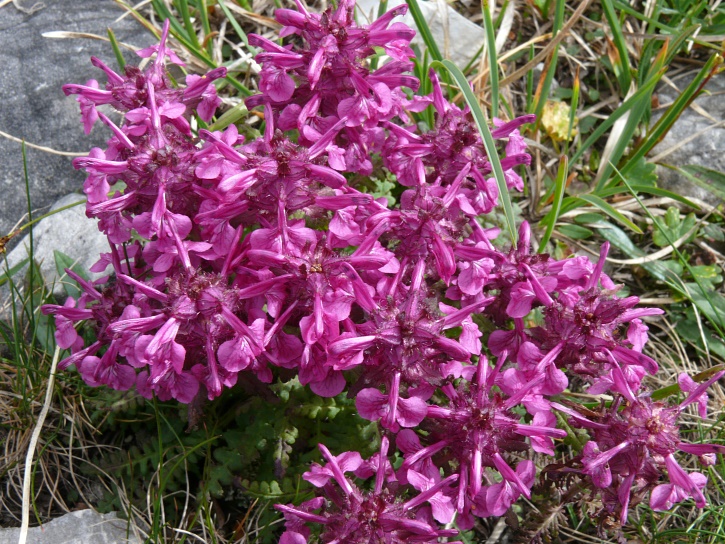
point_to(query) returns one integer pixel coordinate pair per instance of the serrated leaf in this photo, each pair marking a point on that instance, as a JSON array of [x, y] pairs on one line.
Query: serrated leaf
[[675, 226], [643, 173]]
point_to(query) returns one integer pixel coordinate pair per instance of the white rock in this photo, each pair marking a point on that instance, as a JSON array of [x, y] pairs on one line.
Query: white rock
[[79, 527], [465, 38]]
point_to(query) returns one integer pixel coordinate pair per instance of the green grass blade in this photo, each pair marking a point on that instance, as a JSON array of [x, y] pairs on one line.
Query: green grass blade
[[656, 191], [637, 14], [542, 92], [685, 262], [622, 69], [183, 7], [116, 49], [664, 124], [673, 389], [530, 82], [553, 215], [646, 89], [382, 8], [179, 33], [31, 249], [492, 56], [636, 113], [640, 110], [232, 21], [175, 27], [206, 27], [424, 29], [467, 69], [575, 92], [8, 274], [488, 143], [230, 116], [708, 179], [609, 210]]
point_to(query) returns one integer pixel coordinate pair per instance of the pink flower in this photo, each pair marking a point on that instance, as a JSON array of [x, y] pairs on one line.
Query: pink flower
[[349, 514]]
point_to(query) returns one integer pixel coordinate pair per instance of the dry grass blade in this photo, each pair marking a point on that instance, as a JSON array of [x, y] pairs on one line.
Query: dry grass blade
[[42, 147], [657, 255], [31, 449], [685, 141], [62, 34], [483, 74], [255, 18], [544, 53]]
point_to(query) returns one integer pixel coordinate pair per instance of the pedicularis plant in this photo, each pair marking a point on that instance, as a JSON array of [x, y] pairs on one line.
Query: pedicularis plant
[[232, 257]]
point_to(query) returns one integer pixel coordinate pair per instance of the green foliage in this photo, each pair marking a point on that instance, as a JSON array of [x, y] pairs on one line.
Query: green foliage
[[252, 445], [674, 227]]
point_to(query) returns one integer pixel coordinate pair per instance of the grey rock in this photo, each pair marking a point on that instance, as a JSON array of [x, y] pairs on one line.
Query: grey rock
[[69, 232], [32, 71], [465, 37], [704, 150], [80, 527]]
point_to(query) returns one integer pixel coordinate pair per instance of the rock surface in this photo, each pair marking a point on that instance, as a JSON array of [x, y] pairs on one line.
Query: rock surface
[[703, 150], [80, 527], [69, 232], [465, 37], [32, 70]]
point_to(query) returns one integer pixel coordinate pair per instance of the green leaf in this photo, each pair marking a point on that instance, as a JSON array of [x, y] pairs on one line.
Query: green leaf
[[622, 68], [609, 210], [619, 239], [674, 227], [714, 232], [43, 325], [663, 125], [707, 178], [643, 173], [648, 189], [585, 218], [707, 274], [424, 29], [229, 117], [553, 215], [575, 232], [492, 56], [689, 329], [627, 105], [711, 303], [63, 261], [9, 273], [716, 319], [219, 477]]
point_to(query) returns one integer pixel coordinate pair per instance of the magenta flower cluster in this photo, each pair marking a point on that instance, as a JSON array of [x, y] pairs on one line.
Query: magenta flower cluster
[[232, 257]]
